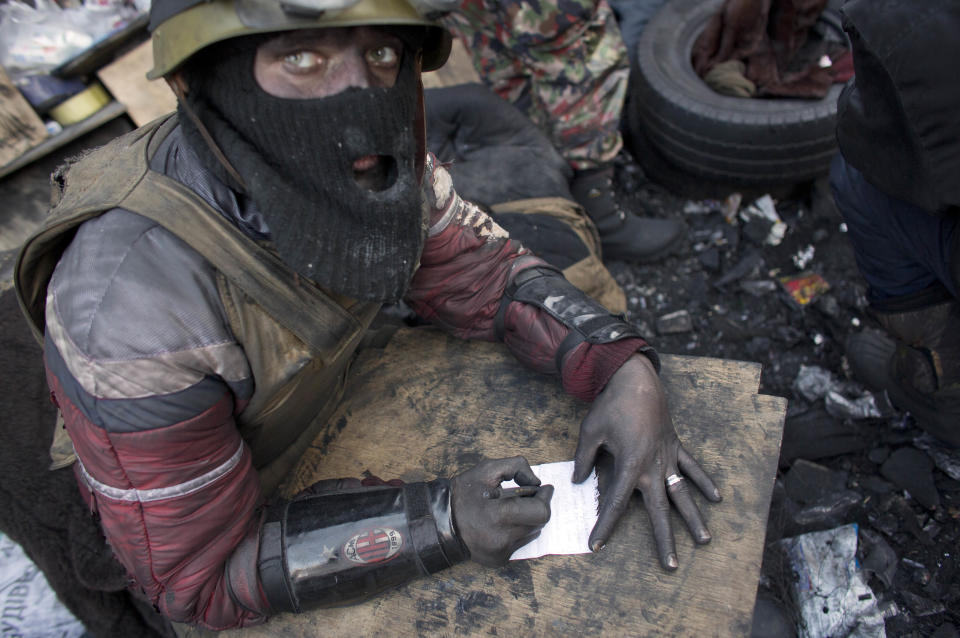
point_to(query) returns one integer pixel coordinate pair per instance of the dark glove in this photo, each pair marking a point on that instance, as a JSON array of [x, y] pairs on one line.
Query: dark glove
[[493, 522]]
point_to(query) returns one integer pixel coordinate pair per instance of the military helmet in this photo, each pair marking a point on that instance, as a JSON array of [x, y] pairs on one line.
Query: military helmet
[[182, 27]]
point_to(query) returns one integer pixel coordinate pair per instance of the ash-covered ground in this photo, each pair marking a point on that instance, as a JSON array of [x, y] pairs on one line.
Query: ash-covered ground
[[847, 455]]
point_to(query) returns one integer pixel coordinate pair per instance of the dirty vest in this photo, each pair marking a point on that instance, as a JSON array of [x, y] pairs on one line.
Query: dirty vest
[[298, 339]]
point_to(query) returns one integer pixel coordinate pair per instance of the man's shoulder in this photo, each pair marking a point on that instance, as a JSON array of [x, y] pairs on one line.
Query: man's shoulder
[[126, 287]]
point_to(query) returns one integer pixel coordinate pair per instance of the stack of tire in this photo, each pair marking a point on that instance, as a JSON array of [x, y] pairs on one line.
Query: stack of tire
[[686, 135]]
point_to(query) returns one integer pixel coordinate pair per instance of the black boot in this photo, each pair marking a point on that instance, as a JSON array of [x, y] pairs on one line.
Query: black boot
[[623, 236], [918, 361]]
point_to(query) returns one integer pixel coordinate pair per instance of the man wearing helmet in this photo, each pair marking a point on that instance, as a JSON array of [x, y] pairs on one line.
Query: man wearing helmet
[[203, 282]]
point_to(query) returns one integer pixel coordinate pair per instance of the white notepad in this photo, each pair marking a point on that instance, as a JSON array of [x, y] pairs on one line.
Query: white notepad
[[573, 512]]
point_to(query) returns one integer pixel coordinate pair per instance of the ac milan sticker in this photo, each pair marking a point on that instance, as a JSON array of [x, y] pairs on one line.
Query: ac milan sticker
[[373, 546]]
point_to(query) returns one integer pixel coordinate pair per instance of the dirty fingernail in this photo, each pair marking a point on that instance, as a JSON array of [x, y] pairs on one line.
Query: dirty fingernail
[[672, 561], [597, 546], [704, 538]]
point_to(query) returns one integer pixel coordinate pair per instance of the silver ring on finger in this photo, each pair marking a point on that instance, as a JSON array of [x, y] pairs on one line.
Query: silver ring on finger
[[673, 479]]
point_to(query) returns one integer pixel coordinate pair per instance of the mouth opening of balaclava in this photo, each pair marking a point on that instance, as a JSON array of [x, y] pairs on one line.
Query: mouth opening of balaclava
[[334, 178]]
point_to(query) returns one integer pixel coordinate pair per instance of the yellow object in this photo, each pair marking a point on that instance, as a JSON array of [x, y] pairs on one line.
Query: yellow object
[[81, 106]]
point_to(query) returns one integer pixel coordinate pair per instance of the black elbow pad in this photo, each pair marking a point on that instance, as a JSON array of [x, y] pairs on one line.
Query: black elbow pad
[[343, 547]]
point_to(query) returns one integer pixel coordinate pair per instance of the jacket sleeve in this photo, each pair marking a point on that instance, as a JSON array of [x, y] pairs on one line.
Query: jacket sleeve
[[179, 504], [467, 263], [149, 380]]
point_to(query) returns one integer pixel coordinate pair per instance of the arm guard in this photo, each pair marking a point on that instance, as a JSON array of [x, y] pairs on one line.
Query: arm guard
[[545, 287], [342, 547]]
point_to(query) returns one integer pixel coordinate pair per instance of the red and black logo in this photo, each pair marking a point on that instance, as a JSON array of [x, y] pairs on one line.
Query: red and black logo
[[373, 546]]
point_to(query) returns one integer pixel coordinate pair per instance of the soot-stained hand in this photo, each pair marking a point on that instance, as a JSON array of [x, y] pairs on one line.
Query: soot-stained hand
[[493, 522], [630, 422]]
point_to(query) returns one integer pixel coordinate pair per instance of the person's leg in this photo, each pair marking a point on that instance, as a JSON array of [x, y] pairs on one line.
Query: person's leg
[[909, 258], [567, 70], [901, 249]]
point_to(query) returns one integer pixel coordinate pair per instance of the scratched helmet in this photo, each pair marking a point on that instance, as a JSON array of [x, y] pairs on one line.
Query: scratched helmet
[[181, 28]]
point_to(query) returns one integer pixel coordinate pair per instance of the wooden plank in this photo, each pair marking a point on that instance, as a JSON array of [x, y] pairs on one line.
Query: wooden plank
[[111, 111], [432, 405], [20, 127], [126, 79]]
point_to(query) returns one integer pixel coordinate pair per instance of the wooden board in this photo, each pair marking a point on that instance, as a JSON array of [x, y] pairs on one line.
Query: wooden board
[[432, 405], [20, 127], [126, 79]]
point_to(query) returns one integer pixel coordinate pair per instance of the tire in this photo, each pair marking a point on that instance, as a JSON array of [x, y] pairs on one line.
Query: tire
[[672, 115]]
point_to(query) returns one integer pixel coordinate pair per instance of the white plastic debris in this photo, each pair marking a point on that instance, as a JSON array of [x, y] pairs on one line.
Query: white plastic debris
[[28, 606], [731, 205], [704, 207], [862, 407], [803, 257], [829, 589], [765, 208], [842, 399], [813, 382]]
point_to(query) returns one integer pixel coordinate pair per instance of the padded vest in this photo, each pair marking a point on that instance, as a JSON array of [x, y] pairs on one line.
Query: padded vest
[[299, 340]]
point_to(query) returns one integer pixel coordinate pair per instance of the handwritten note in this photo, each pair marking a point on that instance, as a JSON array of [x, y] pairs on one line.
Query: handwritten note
[[573, 513]]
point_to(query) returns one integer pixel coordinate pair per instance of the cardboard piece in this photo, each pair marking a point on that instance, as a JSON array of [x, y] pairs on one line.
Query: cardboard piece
[[126, 79]]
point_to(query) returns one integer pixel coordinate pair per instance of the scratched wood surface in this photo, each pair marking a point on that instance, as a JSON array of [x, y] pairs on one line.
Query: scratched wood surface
[[20, 127], [431, 405]]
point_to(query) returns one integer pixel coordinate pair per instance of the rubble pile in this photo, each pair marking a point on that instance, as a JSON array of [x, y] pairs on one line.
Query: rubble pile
[[774, 280]]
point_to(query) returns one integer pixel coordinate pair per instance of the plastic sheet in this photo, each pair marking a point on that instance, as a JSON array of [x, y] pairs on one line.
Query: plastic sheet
[[945, 458], [862, 407], [765, 208], [28, 607], [36, 40], [813, 382], [842, 399], [830, 591]]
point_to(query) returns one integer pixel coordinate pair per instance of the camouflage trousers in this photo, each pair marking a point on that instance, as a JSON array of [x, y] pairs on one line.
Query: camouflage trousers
[[562, 62]]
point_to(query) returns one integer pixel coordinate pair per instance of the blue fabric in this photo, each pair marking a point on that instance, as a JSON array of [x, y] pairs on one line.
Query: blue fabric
[[900, 248]]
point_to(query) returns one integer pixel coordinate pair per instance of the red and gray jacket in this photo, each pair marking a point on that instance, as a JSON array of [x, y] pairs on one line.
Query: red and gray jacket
[[162, 369]]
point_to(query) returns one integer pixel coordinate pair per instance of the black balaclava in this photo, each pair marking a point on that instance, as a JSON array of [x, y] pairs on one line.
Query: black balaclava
[[296, 157]]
